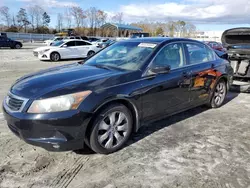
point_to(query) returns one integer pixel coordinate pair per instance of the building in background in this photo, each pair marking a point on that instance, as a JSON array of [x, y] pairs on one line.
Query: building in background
[[209, 36]]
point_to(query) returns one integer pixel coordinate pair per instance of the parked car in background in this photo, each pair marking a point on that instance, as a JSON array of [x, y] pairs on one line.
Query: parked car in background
[[9, 43], [66, 49], [215, 45], [93, 39], [52, 40], [102, 100], [106, 43], [237, 42]]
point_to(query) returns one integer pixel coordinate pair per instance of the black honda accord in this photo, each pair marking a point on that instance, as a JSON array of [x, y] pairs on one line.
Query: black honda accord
[[101, 101]]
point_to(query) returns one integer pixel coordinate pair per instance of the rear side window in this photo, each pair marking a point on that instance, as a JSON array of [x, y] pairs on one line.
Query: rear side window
[[199, 53], [71, 43], [82, 43]]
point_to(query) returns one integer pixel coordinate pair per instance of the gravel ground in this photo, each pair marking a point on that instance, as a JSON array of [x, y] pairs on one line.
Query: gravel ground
[[198, 148]]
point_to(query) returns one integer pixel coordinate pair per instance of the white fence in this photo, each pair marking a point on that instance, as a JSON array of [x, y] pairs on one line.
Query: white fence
[[28, 36]]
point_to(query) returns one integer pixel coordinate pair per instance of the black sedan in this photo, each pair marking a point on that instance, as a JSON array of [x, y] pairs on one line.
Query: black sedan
[[101, 101], [9, 43]]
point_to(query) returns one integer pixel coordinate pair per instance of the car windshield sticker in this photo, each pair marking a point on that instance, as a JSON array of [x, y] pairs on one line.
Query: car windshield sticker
[[147, 45]]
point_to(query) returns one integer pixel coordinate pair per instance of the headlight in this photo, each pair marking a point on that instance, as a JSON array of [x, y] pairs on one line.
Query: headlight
[[58, 104], [43, 51]]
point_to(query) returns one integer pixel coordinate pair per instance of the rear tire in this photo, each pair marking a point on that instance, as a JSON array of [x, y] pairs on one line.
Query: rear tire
[[219, 94], [55, 56], [90, 53], [111, 129]]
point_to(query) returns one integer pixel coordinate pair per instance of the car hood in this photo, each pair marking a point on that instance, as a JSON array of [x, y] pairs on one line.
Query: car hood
[[68, 77], [45, 48], [236, 37]]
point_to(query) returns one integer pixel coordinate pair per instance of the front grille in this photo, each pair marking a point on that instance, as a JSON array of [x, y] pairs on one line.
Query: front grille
[[35, 54], [15, 103]]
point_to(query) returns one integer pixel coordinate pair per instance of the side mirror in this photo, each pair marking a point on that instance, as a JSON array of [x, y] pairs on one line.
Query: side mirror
[[64, 46], [160, 70]]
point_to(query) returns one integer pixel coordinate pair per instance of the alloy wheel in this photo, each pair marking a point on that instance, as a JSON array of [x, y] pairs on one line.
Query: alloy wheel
[[220, 93], [55, 57], [112, 130]]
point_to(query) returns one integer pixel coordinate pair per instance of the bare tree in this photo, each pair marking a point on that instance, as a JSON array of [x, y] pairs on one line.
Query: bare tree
[[78, 15], [68, 17], [32, 12], [22, 19], [118, 18], [91, 17], [59, 21], [5, 15]]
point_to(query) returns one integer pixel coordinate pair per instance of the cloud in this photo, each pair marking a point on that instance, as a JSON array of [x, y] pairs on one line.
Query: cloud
[[51, 3], [197, 11]]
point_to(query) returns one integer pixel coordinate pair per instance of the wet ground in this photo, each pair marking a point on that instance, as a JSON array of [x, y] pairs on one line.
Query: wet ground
[[198, 148]]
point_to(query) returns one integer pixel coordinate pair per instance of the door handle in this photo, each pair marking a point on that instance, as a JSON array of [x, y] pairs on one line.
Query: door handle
[[186, 74]]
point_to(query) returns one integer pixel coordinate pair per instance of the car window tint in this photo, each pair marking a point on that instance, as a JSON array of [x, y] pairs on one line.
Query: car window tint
[[172, 55], [78, 38], [71, 43], [72, 37], [210, 53], [81, 43], [199, 53]]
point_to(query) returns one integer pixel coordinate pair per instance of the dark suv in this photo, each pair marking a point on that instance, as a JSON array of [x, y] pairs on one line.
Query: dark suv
[[101, 101], [7, 42]]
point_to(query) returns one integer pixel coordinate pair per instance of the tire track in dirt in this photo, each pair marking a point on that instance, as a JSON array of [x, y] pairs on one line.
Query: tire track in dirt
[[67, 175]]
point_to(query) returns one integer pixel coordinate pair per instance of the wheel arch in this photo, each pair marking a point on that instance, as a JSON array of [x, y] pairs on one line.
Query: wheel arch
[[126, 102]]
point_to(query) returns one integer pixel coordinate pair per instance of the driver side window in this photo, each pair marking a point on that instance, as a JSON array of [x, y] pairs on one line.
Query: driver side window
[[171, 55]]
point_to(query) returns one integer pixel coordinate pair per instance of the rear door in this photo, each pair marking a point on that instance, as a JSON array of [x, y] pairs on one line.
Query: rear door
[[83, 48], [201, 61]]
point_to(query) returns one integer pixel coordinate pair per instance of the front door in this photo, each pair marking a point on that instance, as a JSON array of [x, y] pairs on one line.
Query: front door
[[164, 94]]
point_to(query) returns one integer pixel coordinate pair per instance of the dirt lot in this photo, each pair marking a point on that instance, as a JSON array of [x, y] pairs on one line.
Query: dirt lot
[[198, 148]]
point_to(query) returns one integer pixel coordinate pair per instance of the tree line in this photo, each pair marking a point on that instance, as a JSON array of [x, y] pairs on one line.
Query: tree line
[[88, 22]]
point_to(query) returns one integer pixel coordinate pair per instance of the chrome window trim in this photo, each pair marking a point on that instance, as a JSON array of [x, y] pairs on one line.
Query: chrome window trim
[[25, 100], [185, 59]]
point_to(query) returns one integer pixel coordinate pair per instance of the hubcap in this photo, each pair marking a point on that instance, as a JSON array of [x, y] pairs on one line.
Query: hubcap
[[17, 46], [112, 130], [220, 93], [55, 57], [91, 53]]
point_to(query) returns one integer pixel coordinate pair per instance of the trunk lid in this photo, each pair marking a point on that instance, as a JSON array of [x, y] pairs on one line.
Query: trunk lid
[[236, 37]]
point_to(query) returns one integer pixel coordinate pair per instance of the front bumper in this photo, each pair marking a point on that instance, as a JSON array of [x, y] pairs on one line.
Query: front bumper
[[62, 131]]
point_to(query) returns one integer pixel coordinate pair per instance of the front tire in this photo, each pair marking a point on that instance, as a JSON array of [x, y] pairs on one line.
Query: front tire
[[219, 94], [55, 56], [18, 46], [111, 129]]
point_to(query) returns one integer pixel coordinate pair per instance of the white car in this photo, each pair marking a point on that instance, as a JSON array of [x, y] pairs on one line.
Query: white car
[[50, 41], [66, 49]]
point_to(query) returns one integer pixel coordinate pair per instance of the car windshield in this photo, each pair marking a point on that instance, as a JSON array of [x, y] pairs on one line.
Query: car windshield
[[57, 43], [123, 55]]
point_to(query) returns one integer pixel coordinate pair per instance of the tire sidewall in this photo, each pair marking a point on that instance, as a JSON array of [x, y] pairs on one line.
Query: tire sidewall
[[94, 144], [17, 46], [55, 53], [90, 53]]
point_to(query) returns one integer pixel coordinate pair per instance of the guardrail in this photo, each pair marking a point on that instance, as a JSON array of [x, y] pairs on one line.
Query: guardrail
[[29, 36]]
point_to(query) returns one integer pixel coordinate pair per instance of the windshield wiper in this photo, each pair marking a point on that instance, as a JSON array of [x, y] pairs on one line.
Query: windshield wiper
[[102, 66]]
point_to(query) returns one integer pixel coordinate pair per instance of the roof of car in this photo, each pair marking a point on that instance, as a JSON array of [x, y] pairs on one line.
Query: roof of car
[[158, 39], [68, 40]]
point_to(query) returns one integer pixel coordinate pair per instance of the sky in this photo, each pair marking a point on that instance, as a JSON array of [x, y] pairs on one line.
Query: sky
[[207, 15]]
